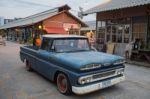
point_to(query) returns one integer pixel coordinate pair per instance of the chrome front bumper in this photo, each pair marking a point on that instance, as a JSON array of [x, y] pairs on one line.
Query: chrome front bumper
[[97, 86]]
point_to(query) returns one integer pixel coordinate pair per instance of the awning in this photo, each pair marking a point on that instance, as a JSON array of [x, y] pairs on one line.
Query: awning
[[55, 30]]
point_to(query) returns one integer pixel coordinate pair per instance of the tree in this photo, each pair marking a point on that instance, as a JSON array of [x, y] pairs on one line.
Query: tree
[[2, 33]]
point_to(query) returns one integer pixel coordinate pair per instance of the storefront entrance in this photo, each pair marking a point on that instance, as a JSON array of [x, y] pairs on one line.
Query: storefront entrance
[[120, 35], [121, 32], [116, 31]]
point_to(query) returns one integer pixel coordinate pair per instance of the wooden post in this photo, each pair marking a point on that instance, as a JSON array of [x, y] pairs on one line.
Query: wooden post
[[131, 30], [96, 32], [105, 41], [148, 33]]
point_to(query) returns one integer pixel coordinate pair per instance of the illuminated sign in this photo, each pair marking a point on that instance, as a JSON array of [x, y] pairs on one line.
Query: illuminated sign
[[69, 26]]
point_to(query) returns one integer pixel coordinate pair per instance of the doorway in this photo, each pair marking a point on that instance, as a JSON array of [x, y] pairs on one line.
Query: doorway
[[120, 34]]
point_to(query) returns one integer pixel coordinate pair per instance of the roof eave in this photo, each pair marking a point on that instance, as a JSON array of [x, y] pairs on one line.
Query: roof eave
[[77, 19], [32, 17], [93, 10]]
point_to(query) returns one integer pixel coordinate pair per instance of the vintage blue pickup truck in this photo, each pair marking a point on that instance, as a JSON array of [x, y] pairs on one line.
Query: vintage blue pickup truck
[[70, 62]]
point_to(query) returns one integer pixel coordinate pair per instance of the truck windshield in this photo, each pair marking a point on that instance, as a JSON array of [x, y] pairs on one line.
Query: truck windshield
[[70, 45]]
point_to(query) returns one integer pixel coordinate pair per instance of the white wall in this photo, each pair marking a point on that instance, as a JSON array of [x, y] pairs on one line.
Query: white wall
[[1, 21]]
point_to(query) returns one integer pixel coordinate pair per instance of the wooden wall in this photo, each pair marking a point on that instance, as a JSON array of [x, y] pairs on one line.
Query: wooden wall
[[123, 13], [58, 20]]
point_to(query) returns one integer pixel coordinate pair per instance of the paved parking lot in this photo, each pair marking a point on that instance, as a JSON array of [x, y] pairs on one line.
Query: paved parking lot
[[17, 83]]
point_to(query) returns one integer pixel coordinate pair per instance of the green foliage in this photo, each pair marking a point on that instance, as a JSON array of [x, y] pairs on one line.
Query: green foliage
[[30, 40], [2, 33]]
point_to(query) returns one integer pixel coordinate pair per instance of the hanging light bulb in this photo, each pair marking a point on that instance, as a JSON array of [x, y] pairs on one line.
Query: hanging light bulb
[[40, 26]]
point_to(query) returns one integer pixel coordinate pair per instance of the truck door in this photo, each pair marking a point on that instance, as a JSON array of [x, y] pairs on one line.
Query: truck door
[[43, 63]]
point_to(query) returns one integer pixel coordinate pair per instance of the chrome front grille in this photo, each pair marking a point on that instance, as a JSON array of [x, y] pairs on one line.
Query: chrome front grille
[[103, 75], [106, 74]]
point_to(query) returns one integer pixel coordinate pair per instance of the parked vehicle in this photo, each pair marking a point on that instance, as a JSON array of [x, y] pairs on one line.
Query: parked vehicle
[[2, 41], [72, 64]]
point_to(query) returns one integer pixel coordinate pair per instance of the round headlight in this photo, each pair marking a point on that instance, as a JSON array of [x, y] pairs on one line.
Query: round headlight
[[120, 71], [84, 80]]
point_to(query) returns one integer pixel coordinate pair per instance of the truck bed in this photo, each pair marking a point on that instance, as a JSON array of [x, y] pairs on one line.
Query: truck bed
[[32, 47], [29, 52]]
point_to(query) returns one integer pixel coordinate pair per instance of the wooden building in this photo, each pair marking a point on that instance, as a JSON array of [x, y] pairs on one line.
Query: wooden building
[[121, 22], [54, 21]]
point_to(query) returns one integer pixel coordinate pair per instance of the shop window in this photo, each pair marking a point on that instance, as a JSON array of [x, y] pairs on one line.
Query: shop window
[[114, 31], [140, 28], [101, 32], [126, 33], [120, 33], [139, 31], [108, 34]]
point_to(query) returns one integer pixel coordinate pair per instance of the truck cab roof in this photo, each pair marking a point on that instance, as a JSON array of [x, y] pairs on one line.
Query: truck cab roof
[[63, 36]]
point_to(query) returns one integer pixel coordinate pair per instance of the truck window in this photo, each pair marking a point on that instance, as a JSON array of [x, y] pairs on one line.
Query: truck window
[[70, 45], [46, 44]]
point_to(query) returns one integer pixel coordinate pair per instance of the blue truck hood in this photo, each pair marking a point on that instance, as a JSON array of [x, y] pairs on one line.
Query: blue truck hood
[[79, 59]]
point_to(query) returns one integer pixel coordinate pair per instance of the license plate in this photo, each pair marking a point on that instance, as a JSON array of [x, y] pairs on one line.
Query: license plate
[[106, 83]]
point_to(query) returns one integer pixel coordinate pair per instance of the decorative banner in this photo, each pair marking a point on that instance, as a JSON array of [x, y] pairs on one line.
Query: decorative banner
[[69, 25]]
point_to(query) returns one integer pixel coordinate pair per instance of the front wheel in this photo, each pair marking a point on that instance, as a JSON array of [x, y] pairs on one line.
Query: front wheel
[[63, 84]]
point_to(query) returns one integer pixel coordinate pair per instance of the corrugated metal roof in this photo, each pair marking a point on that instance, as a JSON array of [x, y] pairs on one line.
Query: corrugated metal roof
[[29, 20], [116, 4], [34, 18]]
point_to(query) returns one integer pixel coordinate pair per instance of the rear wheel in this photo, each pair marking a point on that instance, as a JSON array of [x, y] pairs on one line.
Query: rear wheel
[[63, 84], [28, 65]]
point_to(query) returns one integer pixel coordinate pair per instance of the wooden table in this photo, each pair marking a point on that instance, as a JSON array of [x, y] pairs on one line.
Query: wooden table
[[145, 54], [141, 54]]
